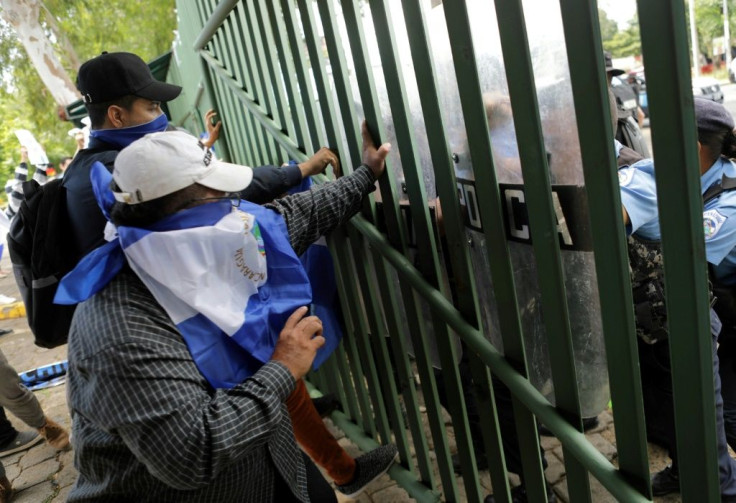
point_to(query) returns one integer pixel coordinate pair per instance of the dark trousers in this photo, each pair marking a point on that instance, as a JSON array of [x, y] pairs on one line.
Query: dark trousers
[[504, 409], [659, 409], [7, 432], [318, 488], [727, 371]]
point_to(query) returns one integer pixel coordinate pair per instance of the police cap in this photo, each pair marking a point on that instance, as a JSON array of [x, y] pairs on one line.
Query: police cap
[[712, 117]]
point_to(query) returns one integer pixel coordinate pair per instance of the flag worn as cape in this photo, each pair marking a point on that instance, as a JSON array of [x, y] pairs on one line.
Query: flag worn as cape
[[228, 278], [317, 261]]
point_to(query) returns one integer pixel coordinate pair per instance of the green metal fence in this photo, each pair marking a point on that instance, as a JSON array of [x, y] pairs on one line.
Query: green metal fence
[[289, 76]]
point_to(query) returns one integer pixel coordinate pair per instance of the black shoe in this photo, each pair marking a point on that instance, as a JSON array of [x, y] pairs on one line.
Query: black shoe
[[481, 463], [665, 482], [326, 404], [518, 495], [368, 468], [588, 424], [22, 441]]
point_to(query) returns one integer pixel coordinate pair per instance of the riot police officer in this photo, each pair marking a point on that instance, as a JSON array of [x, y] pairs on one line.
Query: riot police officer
[[716, 145], [628, 113]]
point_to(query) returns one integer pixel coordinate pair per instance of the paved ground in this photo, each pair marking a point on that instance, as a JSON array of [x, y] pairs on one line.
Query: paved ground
[[41, 475]]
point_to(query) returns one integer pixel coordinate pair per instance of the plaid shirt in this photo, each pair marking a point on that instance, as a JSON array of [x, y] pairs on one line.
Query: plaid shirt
[[147, 425]]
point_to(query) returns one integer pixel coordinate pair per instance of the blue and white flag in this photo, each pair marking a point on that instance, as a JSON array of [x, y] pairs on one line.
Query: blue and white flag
[[320, 268], [227, 277]]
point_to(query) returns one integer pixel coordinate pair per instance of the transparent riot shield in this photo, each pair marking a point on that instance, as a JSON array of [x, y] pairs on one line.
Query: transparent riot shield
[[396, 169], [557, 114]]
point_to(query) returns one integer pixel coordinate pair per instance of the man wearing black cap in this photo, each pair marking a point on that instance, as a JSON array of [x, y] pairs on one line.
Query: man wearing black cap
[[123, 101]]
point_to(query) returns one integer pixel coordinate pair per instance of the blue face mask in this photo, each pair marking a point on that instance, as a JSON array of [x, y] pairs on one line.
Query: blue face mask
[[123, 137]]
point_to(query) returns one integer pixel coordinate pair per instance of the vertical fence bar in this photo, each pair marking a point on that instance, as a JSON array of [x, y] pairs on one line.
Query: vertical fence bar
[[490, 208], [425, 238], [364, 343], [266, 100], [347, 278], [289, 71], [228, 115], [316, 131], [275, 73], [397, 234], [665, 48], [326, 101], [338, 62], [382, 364], [347, 297], [542, 224], [391, 304], [265, 76], [582, 34], [212, 92], [263, 152], [446, 183]]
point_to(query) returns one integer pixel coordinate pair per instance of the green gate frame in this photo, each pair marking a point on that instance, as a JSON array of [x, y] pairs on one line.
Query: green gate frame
[[262, 65]]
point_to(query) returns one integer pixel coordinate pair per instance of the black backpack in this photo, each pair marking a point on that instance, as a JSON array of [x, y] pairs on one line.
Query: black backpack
[[39, 242]]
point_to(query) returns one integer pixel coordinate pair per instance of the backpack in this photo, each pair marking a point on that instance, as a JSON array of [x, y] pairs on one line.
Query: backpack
[[629, 134], [39, 246]]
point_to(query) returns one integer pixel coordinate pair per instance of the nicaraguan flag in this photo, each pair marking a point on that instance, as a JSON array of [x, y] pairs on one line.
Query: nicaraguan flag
[[320, 268], [227, 277]]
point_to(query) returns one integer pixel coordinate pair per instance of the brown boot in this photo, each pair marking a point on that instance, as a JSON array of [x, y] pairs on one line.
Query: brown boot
[[6, 490], [56, 436]]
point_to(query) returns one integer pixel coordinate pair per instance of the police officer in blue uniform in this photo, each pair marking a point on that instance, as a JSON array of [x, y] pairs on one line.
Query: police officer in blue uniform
[[716, 145]]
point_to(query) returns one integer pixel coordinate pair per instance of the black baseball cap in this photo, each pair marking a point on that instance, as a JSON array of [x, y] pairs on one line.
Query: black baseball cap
[[116, 74], [609, 64]]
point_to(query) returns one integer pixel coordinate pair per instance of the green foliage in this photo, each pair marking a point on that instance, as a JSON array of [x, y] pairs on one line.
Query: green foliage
[[92, 26], [626, 42], [609, 28], [709, 23]]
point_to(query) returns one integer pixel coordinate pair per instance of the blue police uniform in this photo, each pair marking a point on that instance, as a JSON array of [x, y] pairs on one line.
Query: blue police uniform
[[639, 198]]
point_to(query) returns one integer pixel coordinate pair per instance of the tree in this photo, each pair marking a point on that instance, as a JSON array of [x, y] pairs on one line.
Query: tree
[[626, 42], [609, 27], [23, 16], [78, 30], [709, 23]]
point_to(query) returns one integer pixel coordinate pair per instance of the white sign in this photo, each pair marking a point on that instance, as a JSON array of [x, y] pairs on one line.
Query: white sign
[[36, 153]]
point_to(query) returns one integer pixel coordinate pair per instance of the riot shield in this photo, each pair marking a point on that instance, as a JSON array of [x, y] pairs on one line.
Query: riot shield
[[554, 94], [396, 167]]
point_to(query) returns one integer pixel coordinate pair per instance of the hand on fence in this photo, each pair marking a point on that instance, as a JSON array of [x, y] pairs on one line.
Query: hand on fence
[[374, 158], [298, 343], [318, 163], [213, 130]]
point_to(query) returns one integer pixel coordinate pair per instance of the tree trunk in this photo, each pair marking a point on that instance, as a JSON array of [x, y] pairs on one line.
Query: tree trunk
[[23, 16], [61, 37]]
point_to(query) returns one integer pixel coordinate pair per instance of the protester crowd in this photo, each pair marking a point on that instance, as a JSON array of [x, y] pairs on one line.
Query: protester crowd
[[192, 330]]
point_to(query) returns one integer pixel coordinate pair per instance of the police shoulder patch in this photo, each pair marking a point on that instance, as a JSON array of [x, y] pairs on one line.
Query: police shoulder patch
[[712, 222], [625, 176]]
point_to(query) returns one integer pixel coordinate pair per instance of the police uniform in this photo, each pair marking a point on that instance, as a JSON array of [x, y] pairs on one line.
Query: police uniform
[[639, 198]]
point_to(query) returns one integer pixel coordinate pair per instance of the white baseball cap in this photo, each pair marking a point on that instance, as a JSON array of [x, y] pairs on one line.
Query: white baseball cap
[[160, 164]]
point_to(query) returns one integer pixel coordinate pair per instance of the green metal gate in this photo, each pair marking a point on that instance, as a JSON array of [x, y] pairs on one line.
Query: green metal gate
[[289, 76]]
